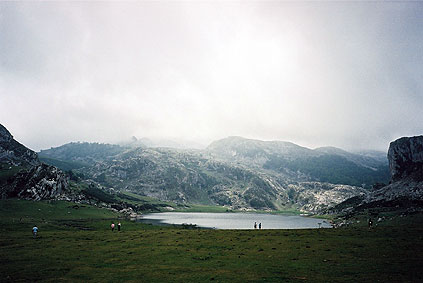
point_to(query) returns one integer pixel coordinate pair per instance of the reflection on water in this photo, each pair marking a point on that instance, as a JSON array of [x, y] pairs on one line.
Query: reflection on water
[[236, 220]]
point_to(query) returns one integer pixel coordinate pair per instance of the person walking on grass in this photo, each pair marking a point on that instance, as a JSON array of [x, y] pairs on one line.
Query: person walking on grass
[[119, 226], [113, 226], [34, 231]]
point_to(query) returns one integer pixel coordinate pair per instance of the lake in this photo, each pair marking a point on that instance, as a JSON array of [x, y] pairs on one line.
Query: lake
[[235, 220]]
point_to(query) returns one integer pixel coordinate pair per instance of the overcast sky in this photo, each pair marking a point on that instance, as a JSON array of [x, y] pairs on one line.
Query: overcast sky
[[345, 74]]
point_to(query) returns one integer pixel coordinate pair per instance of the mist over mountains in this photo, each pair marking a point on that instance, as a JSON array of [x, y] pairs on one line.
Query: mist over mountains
[[279, 157], [236, 172]]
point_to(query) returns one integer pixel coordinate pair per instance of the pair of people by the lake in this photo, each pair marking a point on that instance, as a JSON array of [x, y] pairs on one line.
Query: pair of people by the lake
[[113, 226], [255, 225], [34, 231]]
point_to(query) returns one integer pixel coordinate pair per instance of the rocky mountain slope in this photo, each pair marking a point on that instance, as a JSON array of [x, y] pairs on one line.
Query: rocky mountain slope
[[39, 182], [82, 153], [14, 153], [405, 190], [235, 172], [190, 177], [22, 175], [406, 158], [326, 164], [212, 176]]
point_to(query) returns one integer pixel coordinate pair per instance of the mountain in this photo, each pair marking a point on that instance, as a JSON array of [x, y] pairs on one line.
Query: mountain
[[406, 158], [234, 172], [82, 153], [175, 175], [405, 190], [367, 159], [188, 177], [375, 154], [14, 153], [326, 164], [255, 152], [284, 159], [134, 142], [22, 175]]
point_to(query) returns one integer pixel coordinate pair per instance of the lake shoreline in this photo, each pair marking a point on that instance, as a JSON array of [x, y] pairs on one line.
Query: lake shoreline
[[237, 221]]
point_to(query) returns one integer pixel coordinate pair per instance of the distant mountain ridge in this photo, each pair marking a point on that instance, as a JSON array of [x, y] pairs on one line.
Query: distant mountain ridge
[[82, 152], [405, 189], [235, 172], [326, 164], [155, 142]]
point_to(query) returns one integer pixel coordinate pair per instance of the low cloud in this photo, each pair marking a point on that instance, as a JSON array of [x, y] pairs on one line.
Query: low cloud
[[340, 74]]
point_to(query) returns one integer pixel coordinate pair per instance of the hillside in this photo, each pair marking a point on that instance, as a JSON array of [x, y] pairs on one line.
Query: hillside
[[328, 164], [23, 176], [405, 189], [237, 173], [14, 153], [82, 153], [208, 177]]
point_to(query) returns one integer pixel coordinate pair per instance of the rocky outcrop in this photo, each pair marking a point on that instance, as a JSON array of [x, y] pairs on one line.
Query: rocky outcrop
[[192, 177], [405, 191], [316, 197], [405, 157], [35, 181], [14, 153], [40, 182]]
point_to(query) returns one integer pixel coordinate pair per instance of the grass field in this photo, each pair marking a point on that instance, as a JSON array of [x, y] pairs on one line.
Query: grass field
[[75, 244], [7, 171]]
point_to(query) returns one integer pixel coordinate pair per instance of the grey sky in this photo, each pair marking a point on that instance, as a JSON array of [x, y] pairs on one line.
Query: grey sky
[[346, 74]]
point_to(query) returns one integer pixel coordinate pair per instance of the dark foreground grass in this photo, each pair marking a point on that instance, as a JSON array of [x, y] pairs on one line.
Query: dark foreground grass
[[89, 251]]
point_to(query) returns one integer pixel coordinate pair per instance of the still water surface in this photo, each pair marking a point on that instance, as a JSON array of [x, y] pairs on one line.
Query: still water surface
[[235, 220]]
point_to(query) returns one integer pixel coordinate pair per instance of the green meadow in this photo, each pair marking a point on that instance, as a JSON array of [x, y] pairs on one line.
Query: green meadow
[[75, 244]]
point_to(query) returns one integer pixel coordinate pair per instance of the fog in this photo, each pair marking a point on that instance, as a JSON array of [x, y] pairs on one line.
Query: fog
[[345, 74]]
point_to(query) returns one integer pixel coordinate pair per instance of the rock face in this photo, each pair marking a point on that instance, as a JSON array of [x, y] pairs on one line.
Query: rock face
[[405, 157], [194, 177], [35, 181], [405, 190], [14, 153], [234, 172], [40, 182]]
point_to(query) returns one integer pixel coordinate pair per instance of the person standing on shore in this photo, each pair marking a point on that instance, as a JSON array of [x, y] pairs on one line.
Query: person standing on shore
[[119, 226], [34, 231], [113, 226]]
